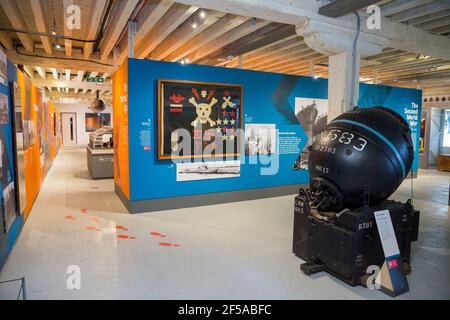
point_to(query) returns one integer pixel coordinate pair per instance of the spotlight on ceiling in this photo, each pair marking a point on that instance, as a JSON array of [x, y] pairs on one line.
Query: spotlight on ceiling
[[58, 46], [194, 25], [203, 14]]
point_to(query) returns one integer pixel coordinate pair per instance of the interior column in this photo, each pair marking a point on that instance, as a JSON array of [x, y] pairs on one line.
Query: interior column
[[340, 83]]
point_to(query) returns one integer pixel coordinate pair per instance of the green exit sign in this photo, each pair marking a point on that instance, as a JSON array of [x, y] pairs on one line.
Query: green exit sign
[[95, 79]]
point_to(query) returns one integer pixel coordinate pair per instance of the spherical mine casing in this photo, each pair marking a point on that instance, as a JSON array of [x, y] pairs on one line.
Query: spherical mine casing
[[364, 151]]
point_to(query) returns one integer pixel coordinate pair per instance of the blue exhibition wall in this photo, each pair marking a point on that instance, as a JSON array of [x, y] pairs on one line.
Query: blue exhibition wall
[[268, 98], [8, 233]]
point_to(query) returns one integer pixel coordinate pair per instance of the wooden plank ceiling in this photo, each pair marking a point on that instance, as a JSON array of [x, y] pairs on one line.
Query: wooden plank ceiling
[[170, 31]]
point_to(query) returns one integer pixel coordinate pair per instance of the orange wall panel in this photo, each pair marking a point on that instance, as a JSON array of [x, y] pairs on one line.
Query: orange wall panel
[[38, 113], [120, 134]]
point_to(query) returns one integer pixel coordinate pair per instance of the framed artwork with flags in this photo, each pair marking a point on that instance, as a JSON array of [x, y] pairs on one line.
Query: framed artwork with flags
[[198, 119]]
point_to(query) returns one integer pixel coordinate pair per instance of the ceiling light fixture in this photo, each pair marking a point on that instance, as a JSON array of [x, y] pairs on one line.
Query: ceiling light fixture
[[194, 25], [58, 46], [203, 14]]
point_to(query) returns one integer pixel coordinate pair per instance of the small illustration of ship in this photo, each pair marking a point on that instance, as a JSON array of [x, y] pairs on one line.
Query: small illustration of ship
[[207, 169]]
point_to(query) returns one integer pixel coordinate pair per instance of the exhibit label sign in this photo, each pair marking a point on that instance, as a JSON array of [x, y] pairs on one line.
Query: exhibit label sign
[[392, 278]]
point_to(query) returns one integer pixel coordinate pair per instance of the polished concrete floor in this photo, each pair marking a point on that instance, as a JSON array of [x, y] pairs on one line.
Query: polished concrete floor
[[231, 251]]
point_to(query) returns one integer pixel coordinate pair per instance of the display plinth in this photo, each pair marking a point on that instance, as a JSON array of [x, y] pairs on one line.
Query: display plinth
[[100, 162]]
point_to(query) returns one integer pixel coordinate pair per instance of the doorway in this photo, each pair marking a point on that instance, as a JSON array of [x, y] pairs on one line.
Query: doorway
[[69, 128]]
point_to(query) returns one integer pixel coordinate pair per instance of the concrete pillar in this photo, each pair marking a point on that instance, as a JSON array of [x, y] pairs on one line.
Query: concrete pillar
[[340, 93], [241, 62], [132, 27], [338, 44]]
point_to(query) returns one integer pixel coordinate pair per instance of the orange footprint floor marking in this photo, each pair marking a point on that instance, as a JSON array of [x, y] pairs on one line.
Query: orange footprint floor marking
[[167, 244], [122, 236], [157, 234], [122, 228], [92, 228], [70, 217]]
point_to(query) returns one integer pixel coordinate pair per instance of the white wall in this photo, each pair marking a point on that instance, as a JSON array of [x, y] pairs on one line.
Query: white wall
[[80, 109]]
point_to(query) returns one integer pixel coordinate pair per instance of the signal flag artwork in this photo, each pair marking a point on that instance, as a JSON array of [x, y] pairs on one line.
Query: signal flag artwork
[[210, 112]]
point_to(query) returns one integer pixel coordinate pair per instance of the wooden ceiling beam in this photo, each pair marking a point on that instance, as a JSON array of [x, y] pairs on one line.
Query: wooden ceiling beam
[[279, 57], [280, 67], [65, 95], [6, 40], [41, 24], [441, 30], [340, 8], [268, 34], [68, 74], [92, 29], [397, 6], [428, 17], [430, 66], [12, 14], [401, 64], [185, 33], [41, 72], [233, 35], [417, 74], [305, 13], [261, 37], [122, 13], [225, 24], [435, 24], [151, 13], [260, 52], [79, 77], [386, 53], [72, 84], [429, 8], [54, 73], [67, 31], [272, 51], [29, 71], [60, 61], [176, 15]]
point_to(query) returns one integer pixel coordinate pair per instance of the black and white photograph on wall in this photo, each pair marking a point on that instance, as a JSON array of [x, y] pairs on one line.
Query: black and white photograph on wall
[[28, 133], [312, 116], [3, 109], [260, 139], [8, 206], [3, 68], [26, 136], [31, 131], [208, 170]]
